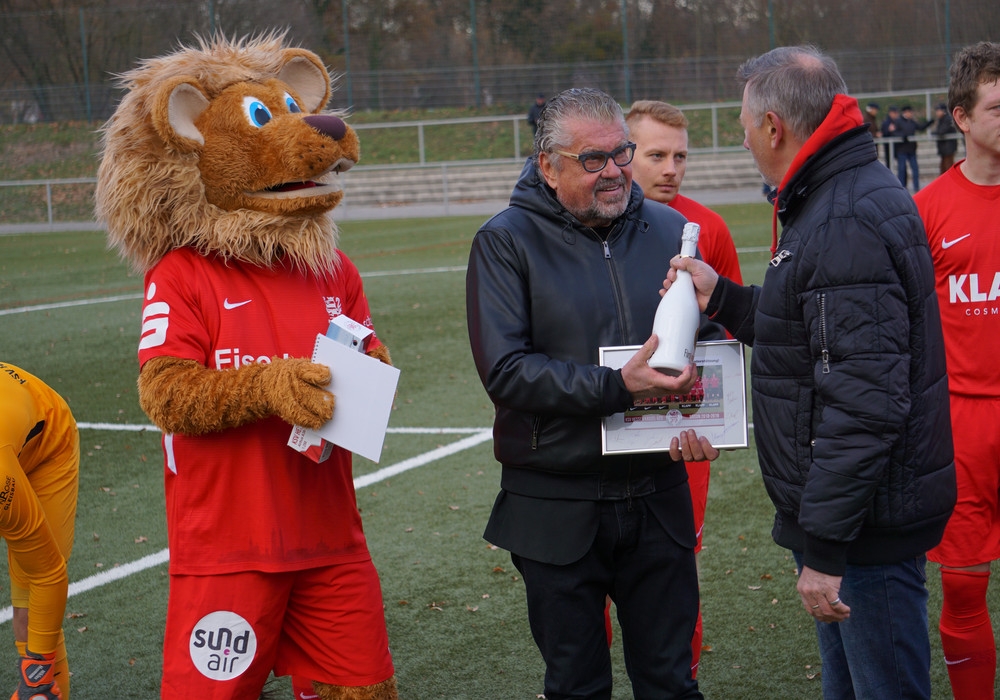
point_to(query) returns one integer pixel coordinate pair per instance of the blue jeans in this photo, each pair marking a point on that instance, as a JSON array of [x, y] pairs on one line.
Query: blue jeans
[[901, 161], [882, 652]]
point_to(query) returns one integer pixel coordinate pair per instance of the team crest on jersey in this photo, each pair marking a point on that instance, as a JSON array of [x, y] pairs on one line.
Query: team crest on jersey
[[334, 307], [222, 645]]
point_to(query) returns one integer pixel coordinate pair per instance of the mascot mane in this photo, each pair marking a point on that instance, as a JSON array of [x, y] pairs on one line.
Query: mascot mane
[[222, 147]]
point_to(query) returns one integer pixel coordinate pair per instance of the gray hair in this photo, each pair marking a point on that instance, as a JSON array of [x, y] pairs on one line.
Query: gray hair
[[576, 103], [798, 83]]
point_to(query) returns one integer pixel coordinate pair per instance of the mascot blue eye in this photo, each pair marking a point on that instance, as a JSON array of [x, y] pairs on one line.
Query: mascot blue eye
[[293, 106], [257, 111]]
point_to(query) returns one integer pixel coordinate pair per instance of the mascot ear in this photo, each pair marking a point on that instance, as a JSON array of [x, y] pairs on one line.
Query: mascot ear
[[178, 104], [305, 73]]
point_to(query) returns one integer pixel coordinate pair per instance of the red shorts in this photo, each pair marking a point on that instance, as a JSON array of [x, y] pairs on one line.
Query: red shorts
[[972, 535], [698, 475], [226, 633]]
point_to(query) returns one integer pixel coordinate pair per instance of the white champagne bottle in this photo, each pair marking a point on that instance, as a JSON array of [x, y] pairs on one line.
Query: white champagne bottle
[[677, 317]]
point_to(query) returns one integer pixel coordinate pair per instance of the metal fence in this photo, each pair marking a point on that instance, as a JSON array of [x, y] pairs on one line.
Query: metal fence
[[683, 81], [441, 187]]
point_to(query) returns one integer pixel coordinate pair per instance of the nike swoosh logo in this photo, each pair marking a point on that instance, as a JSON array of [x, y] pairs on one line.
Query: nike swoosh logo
[[948, 662], [234, 304], [946, 244]]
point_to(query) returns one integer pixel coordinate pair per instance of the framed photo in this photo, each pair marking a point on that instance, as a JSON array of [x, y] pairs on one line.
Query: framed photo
[[716, 407]]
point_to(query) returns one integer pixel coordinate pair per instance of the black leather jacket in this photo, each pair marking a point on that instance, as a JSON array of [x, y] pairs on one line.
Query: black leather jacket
[[544, 293], [850, 394]]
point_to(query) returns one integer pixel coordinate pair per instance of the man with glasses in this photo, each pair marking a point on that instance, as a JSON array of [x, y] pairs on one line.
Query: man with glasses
[[576, 262]]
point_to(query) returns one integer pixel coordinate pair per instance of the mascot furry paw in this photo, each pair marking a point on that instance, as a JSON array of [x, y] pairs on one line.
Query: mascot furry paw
[[217, 179]]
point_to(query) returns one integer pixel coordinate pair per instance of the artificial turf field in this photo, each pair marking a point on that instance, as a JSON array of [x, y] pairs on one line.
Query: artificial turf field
[[69, 312]]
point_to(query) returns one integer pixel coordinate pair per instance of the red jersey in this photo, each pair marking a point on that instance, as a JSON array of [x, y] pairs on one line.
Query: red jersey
[[241, 499], [715, 243], [964, 235]]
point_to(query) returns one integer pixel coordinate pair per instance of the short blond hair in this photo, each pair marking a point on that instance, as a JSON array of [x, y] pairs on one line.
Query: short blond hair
[[662, 112]]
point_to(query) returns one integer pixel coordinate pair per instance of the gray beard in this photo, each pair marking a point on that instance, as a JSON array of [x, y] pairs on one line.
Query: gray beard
[[604, 213]]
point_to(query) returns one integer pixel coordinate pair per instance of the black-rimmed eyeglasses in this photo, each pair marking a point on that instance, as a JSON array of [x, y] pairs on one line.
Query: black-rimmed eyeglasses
[[595, 161]]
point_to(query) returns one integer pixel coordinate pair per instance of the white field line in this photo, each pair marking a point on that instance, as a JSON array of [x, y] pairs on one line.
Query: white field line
[[364, 275], [124, 297], [67, 304], [478, 435]]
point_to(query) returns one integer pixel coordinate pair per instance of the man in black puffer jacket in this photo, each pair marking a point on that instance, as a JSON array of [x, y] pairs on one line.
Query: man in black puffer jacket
[[850, 394], [573, 264]]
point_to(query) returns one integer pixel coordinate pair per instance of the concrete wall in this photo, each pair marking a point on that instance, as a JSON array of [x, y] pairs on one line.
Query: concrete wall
[[494, 180]]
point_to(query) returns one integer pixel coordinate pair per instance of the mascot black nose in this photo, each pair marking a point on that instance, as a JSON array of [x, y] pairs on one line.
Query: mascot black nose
[[327, 124]]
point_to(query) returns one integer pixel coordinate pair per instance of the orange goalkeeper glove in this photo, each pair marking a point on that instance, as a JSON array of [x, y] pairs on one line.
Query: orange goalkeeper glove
[[37, 673]]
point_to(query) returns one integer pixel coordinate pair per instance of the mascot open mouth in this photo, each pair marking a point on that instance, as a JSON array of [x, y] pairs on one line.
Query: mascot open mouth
[[325, 184]]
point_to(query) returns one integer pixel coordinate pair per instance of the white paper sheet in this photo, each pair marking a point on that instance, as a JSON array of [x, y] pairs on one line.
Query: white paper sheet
[[363, 389]]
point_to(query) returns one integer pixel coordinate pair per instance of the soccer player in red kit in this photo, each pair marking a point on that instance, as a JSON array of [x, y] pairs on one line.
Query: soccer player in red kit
[[659, 131], [959, 209]]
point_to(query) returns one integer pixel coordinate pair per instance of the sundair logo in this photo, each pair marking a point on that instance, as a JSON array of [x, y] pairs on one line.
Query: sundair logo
[[222, 645]]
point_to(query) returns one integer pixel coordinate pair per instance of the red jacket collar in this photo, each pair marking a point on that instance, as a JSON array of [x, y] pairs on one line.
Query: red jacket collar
[[843, 116]]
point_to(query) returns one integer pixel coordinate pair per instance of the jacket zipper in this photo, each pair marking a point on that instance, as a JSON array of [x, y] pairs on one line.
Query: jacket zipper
[[823, 349], [616, 288], [536, 421], [779, 257]]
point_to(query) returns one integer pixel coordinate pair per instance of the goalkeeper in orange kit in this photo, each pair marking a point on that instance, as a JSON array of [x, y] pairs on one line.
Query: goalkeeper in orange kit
[[39, 472]]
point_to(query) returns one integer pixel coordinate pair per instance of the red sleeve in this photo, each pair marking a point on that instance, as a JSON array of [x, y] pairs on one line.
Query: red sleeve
[[722, 256], [715, 243], [174, 319]]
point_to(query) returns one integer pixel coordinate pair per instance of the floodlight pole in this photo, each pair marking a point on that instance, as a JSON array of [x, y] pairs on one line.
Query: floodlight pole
[[628, 80], [475, 50], [347, 51], [770, 23], [86, 64], [947, 37]]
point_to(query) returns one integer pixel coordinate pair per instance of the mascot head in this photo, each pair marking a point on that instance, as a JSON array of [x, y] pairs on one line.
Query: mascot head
[[224, 148]]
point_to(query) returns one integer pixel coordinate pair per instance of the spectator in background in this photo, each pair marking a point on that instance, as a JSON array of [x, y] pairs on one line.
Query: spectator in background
[[946, 134], [906, 151], [871, 118], [959, 210], [889, 126], [536, 109], [850, 393], [659, 131], [573, 264], [39, 467]]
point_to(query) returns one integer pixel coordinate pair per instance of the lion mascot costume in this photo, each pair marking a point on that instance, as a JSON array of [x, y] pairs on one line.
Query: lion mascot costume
[[218, 175]]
